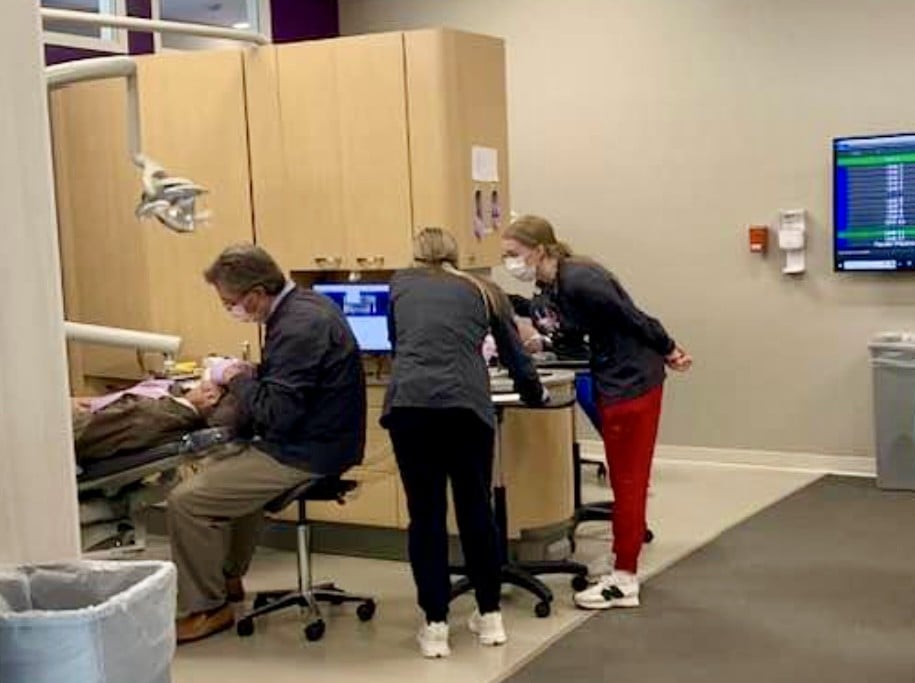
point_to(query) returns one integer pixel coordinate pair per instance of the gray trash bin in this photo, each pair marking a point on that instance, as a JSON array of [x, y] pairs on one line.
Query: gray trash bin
[[87, 622], [893, 362]]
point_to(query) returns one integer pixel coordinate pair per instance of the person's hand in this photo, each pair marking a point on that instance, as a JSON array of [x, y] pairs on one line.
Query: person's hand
[[81, 403], [489, 349], [679, 360], [224, 370], [236, 370], [534, 344]]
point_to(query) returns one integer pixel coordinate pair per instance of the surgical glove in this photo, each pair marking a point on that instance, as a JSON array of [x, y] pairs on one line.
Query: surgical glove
[[489, 348], [217, 370]]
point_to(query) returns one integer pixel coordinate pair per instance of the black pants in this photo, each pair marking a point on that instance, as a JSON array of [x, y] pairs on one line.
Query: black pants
[[432, 446]]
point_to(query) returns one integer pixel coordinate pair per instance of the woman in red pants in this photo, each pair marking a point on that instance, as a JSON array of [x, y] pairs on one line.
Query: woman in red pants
[[629, 352]]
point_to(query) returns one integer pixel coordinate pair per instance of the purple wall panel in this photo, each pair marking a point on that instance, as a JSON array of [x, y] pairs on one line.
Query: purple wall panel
[[55, 54], [140, 43], [294, 20]]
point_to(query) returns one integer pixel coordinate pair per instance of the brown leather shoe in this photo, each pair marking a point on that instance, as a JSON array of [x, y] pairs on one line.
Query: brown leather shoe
[[204, 624], [235, 589]]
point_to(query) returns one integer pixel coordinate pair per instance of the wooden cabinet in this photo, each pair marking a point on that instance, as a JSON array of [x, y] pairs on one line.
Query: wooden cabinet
[[357, 142], [457, 102], [117, 270], [329, 152]]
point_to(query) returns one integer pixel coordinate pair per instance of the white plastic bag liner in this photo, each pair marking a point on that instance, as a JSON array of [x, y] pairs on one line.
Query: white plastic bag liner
[[87, 622]]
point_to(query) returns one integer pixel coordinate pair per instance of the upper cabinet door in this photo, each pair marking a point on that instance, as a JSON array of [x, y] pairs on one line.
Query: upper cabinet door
[[310, 232], [334, 114], [371, 91], [457, 104], [193, 123]]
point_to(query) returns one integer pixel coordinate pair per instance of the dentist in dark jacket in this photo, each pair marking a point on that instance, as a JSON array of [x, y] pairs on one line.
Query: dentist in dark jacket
[[304, 403], [441, 419]]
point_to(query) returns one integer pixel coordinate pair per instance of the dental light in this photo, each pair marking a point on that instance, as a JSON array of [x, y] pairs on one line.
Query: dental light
[[169, 199]]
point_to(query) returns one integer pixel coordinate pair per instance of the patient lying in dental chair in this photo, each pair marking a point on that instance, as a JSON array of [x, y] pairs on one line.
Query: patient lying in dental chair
[[148, 414]]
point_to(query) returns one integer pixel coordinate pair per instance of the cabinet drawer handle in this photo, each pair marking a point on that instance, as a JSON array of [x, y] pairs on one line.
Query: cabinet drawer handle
[[324, 261], [370, 260]]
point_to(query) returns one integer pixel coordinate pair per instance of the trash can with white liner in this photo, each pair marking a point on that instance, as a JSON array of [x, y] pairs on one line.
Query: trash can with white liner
[[87, 622], [893, 363]]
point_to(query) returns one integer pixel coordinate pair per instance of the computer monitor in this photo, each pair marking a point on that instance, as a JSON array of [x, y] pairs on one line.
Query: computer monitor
[[366, 309], [874, 203]]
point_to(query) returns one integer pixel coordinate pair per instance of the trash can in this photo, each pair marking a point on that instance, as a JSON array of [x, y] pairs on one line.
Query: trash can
[[893, 363], [87, 622]]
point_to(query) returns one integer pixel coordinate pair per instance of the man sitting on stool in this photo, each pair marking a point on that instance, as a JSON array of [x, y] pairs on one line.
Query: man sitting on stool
[[306, 402]]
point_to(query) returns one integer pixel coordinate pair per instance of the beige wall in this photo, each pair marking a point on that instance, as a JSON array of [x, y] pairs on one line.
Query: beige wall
[[653, 131], [38, 513]]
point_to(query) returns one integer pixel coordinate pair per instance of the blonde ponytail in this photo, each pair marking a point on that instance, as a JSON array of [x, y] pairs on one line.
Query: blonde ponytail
[[437, 248]]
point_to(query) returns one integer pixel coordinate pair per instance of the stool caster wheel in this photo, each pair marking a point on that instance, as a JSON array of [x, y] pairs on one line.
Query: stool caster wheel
[[315, 630], [649, 536], [542, 609], [245, 628], [366, 610], [579, 583]]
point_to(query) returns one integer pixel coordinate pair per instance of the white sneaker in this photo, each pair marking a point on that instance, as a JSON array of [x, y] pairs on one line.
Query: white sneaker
[[433, 640], [617, 589], [488, 627]]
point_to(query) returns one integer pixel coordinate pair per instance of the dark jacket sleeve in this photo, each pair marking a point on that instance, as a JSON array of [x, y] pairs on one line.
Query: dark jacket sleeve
[[281, 398], [513, 356], [607, 305]]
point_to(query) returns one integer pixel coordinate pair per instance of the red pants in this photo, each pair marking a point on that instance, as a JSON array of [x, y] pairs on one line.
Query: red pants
[[630, 429]]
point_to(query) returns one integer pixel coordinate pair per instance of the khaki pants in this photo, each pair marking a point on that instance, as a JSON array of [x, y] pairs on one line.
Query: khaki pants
[[214, 519]]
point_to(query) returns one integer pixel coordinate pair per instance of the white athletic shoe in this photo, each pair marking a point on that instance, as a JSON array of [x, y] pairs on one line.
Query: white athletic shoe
[[433, 640], [617, 589], [488, 627]]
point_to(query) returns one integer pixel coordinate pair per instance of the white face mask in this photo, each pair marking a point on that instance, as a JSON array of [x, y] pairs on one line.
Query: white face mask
[[518, 267], [240, 314]]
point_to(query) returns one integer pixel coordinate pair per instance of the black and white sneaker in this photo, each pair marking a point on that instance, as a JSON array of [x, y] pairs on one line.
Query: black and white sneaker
[[617, 589]]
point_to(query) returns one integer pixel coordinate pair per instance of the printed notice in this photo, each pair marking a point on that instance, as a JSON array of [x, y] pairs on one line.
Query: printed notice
[[485, 164]]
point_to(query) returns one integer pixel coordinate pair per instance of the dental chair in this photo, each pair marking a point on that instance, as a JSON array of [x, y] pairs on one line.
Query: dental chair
[[115, 492]]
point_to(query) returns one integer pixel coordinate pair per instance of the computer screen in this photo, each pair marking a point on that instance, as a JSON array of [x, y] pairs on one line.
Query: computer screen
[[874, 203], [366, 309]]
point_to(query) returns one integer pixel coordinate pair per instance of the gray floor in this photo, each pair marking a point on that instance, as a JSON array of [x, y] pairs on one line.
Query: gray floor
[[689, 505], [818, 587]]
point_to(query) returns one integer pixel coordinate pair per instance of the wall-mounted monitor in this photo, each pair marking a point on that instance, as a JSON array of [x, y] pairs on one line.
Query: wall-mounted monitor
[[874, 203]]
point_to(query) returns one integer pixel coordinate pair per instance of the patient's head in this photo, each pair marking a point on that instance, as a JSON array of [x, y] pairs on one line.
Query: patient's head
[[216, 405], [205, 397]]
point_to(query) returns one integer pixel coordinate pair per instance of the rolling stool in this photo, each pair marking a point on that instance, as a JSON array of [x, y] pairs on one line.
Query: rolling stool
[[307, 596]]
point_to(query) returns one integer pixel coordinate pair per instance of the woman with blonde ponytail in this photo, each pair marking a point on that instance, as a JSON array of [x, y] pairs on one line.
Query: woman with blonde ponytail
[[442, 423], [629, 350]]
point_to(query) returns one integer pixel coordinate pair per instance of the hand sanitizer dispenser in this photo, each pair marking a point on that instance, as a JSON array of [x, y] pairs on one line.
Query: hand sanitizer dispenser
[[792, 229]]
